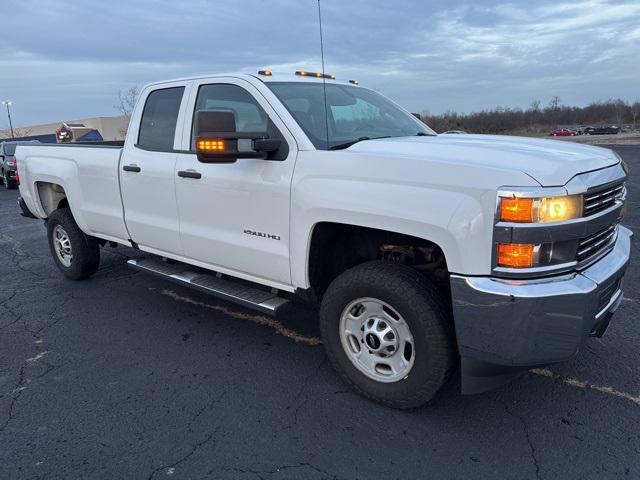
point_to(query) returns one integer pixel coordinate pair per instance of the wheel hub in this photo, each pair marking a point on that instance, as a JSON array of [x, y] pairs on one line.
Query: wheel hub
[[377, 340], [62, 245], [380, 337]]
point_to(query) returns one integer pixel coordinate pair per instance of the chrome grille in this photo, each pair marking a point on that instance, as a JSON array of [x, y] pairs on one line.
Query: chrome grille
[[602, 197], [594, 244]]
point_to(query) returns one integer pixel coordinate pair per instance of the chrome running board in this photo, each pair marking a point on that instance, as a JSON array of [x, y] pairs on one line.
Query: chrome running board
[[229, 290]]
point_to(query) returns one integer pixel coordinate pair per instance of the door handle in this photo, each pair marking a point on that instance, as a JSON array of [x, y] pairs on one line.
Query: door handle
[[189, 174], [131, 168]]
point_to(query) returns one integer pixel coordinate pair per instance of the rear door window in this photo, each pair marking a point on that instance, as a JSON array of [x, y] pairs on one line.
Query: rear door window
[[159, 119]]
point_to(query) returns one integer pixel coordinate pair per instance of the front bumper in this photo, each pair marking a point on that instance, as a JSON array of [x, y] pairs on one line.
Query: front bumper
[[506, 326]]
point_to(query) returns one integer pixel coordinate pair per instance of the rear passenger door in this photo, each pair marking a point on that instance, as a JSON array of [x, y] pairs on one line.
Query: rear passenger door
[[147, 170]]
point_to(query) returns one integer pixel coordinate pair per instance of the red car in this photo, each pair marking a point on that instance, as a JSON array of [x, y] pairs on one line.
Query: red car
[[563, 132]]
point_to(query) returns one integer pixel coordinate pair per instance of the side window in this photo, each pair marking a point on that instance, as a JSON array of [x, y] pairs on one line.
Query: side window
[[249, 115], [159, 118]]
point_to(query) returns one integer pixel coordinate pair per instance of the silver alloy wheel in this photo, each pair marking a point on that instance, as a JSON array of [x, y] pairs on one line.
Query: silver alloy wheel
[[377, 340], [62, 245]]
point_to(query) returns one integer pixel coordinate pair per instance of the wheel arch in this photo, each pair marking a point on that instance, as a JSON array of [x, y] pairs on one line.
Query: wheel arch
[[51, 196], [335, 247]]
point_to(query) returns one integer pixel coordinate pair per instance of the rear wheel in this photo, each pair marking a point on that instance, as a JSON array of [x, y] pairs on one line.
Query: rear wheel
[[76, 255], [387, 330]]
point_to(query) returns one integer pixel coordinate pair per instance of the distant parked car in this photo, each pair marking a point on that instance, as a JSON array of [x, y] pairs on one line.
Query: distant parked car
[[8, 162], [454, 132], [563, 132], [602, 130]]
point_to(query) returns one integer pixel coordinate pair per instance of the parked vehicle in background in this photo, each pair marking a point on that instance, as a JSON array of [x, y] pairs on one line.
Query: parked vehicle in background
[[423, 250], [454, 132], [8, 162], [563, 132], [602, 130]]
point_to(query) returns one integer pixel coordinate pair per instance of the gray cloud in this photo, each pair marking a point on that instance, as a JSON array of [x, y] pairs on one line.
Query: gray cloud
[[69, 60]]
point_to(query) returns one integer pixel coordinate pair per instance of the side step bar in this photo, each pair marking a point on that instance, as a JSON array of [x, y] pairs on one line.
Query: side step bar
[[190, 276]]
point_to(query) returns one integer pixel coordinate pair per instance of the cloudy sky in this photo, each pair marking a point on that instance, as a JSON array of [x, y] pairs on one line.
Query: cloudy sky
[[65, 60]]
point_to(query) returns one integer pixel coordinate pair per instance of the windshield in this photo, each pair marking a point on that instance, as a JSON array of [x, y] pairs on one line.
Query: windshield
[[354, 114]]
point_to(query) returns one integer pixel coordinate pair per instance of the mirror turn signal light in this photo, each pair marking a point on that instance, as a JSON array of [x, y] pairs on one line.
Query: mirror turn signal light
[[210, 145], [516, 255]]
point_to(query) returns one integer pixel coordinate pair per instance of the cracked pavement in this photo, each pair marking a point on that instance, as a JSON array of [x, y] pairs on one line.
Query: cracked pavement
[[128, 376]]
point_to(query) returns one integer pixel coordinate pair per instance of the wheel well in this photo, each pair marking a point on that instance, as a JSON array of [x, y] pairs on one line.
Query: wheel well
[[337, 247], [52, 196]]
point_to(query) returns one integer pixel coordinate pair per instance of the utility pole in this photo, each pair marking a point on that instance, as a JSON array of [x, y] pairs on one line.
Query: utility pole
[[8, 104]]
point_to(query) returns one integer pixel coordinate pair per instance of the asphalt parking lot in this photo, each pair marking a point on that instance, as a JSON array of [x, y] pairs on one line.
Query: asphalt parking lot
[[128, 376]]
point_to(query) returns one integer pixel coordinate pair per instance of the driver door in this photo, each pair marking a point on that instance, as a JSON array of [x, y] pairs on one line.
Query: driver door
[[234, 217]]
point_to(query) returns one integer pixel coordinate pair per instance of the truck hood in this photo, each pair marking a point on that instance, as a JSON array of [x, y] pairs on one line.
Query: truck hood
[[549, 162]]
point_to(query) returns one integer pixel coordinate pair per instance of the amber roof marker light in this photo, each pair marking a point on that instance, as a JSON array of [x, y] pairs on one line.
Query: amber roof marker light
[[266, 73], [326, 76], [355, 82]]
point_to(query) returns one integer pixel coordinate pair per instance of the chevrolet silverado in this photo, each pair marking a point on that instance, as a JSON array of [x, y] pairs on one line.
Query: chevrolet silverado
[[425, 252]]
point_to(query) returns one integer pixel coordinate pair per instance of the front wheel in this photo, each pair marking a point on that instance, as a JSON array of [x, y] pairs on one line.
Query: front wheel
[[76, 255], [388, 332]]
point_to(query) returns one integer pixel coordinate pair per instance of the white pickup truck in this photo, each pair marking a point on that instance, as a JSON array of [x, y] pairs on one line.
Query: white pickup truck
[[424, 251]]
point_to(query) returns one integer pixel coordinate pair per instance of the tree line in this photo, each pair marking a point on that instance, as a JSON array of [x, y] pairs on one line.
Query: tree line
[[538, 119]]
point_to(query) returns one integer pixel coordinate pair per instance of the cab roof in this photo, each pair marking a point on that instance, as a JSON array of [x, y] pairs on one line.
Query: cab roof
[[274, 77]]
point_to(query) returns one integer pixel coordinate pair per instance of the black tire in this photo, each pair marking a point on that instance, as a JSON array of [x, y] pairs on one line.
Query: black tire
[[424, 310], [85, 249]]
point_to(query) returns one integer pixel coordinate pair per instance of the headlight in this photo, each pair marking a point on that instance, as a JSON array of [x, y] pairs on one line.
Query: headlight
[[540, 210]]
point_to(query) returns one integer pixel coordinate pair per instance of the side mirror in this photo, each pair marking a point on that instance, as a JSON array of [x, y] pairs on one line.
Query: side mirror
[[217, 138]]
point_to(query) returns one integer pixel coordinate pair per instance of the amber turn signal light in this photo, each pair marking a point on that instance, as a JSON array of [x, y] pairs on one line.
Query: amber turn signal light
[[210, 145], [515, 255], [516, 210]]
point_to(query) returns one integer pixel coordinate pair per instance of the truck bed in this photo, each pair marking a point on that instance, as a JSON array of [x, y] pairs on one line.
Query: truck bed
[[87, 173]]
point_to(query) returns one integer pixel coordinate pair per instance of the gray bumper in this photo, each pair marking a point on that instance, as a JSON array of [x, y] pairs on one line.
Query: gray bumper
[[505, 326]]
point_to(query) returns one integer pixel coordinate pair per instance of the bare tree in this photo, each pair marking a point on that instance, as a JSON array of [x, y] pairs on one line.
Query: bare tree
[[554, 108], [619, 109], [17, 132], [127, 100], [534, 110], [635, 112]]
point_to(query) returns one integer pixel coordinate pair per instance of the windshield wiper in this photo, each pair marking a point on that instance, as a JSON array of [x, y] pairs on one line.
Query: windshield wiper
[[342, 146]]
